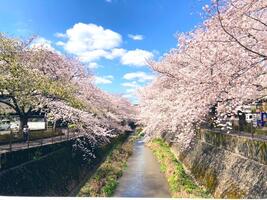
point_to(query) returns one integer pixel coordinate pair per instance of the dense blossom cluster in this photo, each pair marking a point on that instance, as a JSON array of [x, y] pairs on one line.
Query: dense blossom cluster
[[221, 64], [35, 79]]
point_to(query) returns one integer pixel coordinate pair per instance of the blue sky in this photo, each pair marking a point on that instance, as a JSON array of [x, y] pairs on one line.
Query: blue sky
[[113, 38]]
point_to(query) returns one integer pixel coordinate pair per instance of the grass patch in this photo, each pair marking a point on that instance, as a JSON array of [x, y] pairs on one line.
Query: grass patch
[[139, 132], [104, 182], [181, 185], [260, 132]]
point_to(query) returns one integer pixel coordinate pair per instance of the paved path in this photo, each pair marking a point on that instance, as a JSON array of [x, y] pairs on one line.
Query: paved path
[[39, 142], [142, 178], [242, 134]]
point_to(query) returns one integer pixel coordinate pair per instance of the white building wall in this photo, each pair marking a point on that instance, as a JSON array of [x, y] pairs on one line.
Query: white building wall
[[36, 125]]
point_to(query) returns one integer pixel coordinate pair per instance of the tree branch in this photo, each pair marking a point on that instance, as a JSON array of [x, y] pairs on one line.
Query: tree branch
[[8, 104], [233, 37]]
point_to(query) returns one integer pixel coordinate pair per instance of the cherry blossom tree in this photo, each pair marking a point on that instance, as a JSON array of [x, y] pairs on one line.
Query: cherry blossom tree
[[220, 64], [22, 83], [37, 79]]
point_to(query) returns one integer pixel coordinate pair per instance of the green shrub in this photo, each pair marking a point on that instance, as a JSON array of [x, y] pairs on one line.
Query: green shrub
[[139, 131], [110, 187], [72, 126]]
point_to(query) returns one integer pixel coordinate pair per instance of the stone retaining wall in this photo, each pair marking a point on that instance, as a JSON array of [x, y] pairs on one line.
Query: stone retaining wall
[[228, 166], [255, 149]]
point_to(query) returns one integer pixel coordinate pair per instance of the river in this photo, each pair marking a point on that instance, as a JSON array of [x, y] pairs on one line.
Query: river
[[142, 177]]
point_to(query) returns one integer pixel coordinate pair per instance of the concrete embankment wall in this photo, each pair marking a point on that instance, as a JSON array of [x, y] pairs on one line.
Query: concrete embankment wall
[[15, 158], [228, 166], [55, 174]]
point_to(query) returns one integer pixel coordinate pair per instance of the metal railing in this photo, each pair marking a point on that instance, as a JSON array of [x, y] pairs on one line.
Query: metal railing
[[246, 133], [15, 144]]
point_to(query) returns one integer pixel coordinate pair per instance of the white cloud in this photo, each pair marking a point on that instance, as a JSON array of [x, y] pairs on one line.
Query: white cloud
[[128, 96], [117, 52], [132, 84], [93, 65], [60, 35], [110, 77], [136, 37], [136, 80], [137, 57], [60, 43], [43, 43], [90, 42], [103, 79], [131, 89], [87, 37], [139, 76], [90, 56], [93, 55]]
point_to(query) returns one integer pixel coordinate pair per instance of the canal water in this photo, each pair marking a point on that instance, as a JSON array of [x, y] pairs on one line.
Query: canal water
[[142, 177]]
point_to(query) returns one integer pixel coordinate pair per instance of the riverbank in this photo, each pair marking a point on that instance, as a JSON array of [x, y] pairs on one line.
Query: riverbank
[[105, 180], [180, 184], [143, 177], [229, 166]]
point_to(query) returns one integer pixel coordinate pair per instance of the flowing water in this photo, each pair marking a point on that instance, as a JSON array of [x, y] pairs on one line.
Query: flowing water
[[142, 177]]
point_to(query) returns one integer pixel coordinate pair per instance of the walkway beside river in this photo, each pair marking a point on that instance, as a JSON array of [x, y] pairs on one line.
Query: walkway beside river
[[16, 146], [142, 177]]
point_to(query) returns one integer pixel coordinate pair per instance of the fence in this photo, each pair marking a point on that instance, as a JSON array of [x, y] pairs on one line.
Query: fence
[[11, 141], [247, 130], [256, 133]]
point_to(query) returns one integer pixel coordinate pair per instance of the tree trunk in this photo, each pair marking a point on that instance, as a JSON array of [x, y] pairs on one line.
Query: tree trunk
[[242, 121], [23, 121]]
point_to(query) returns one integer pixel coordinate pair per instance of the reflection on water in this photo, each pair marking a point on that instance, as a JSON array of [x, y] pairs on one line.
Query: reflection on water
[[142, 178]]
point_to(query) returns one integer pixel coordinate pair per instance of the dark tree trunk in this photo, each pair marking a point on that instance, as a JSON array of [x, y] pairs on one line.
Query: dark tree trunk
[[212, 116], [242, 121], [23, 121], [20, 110]]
